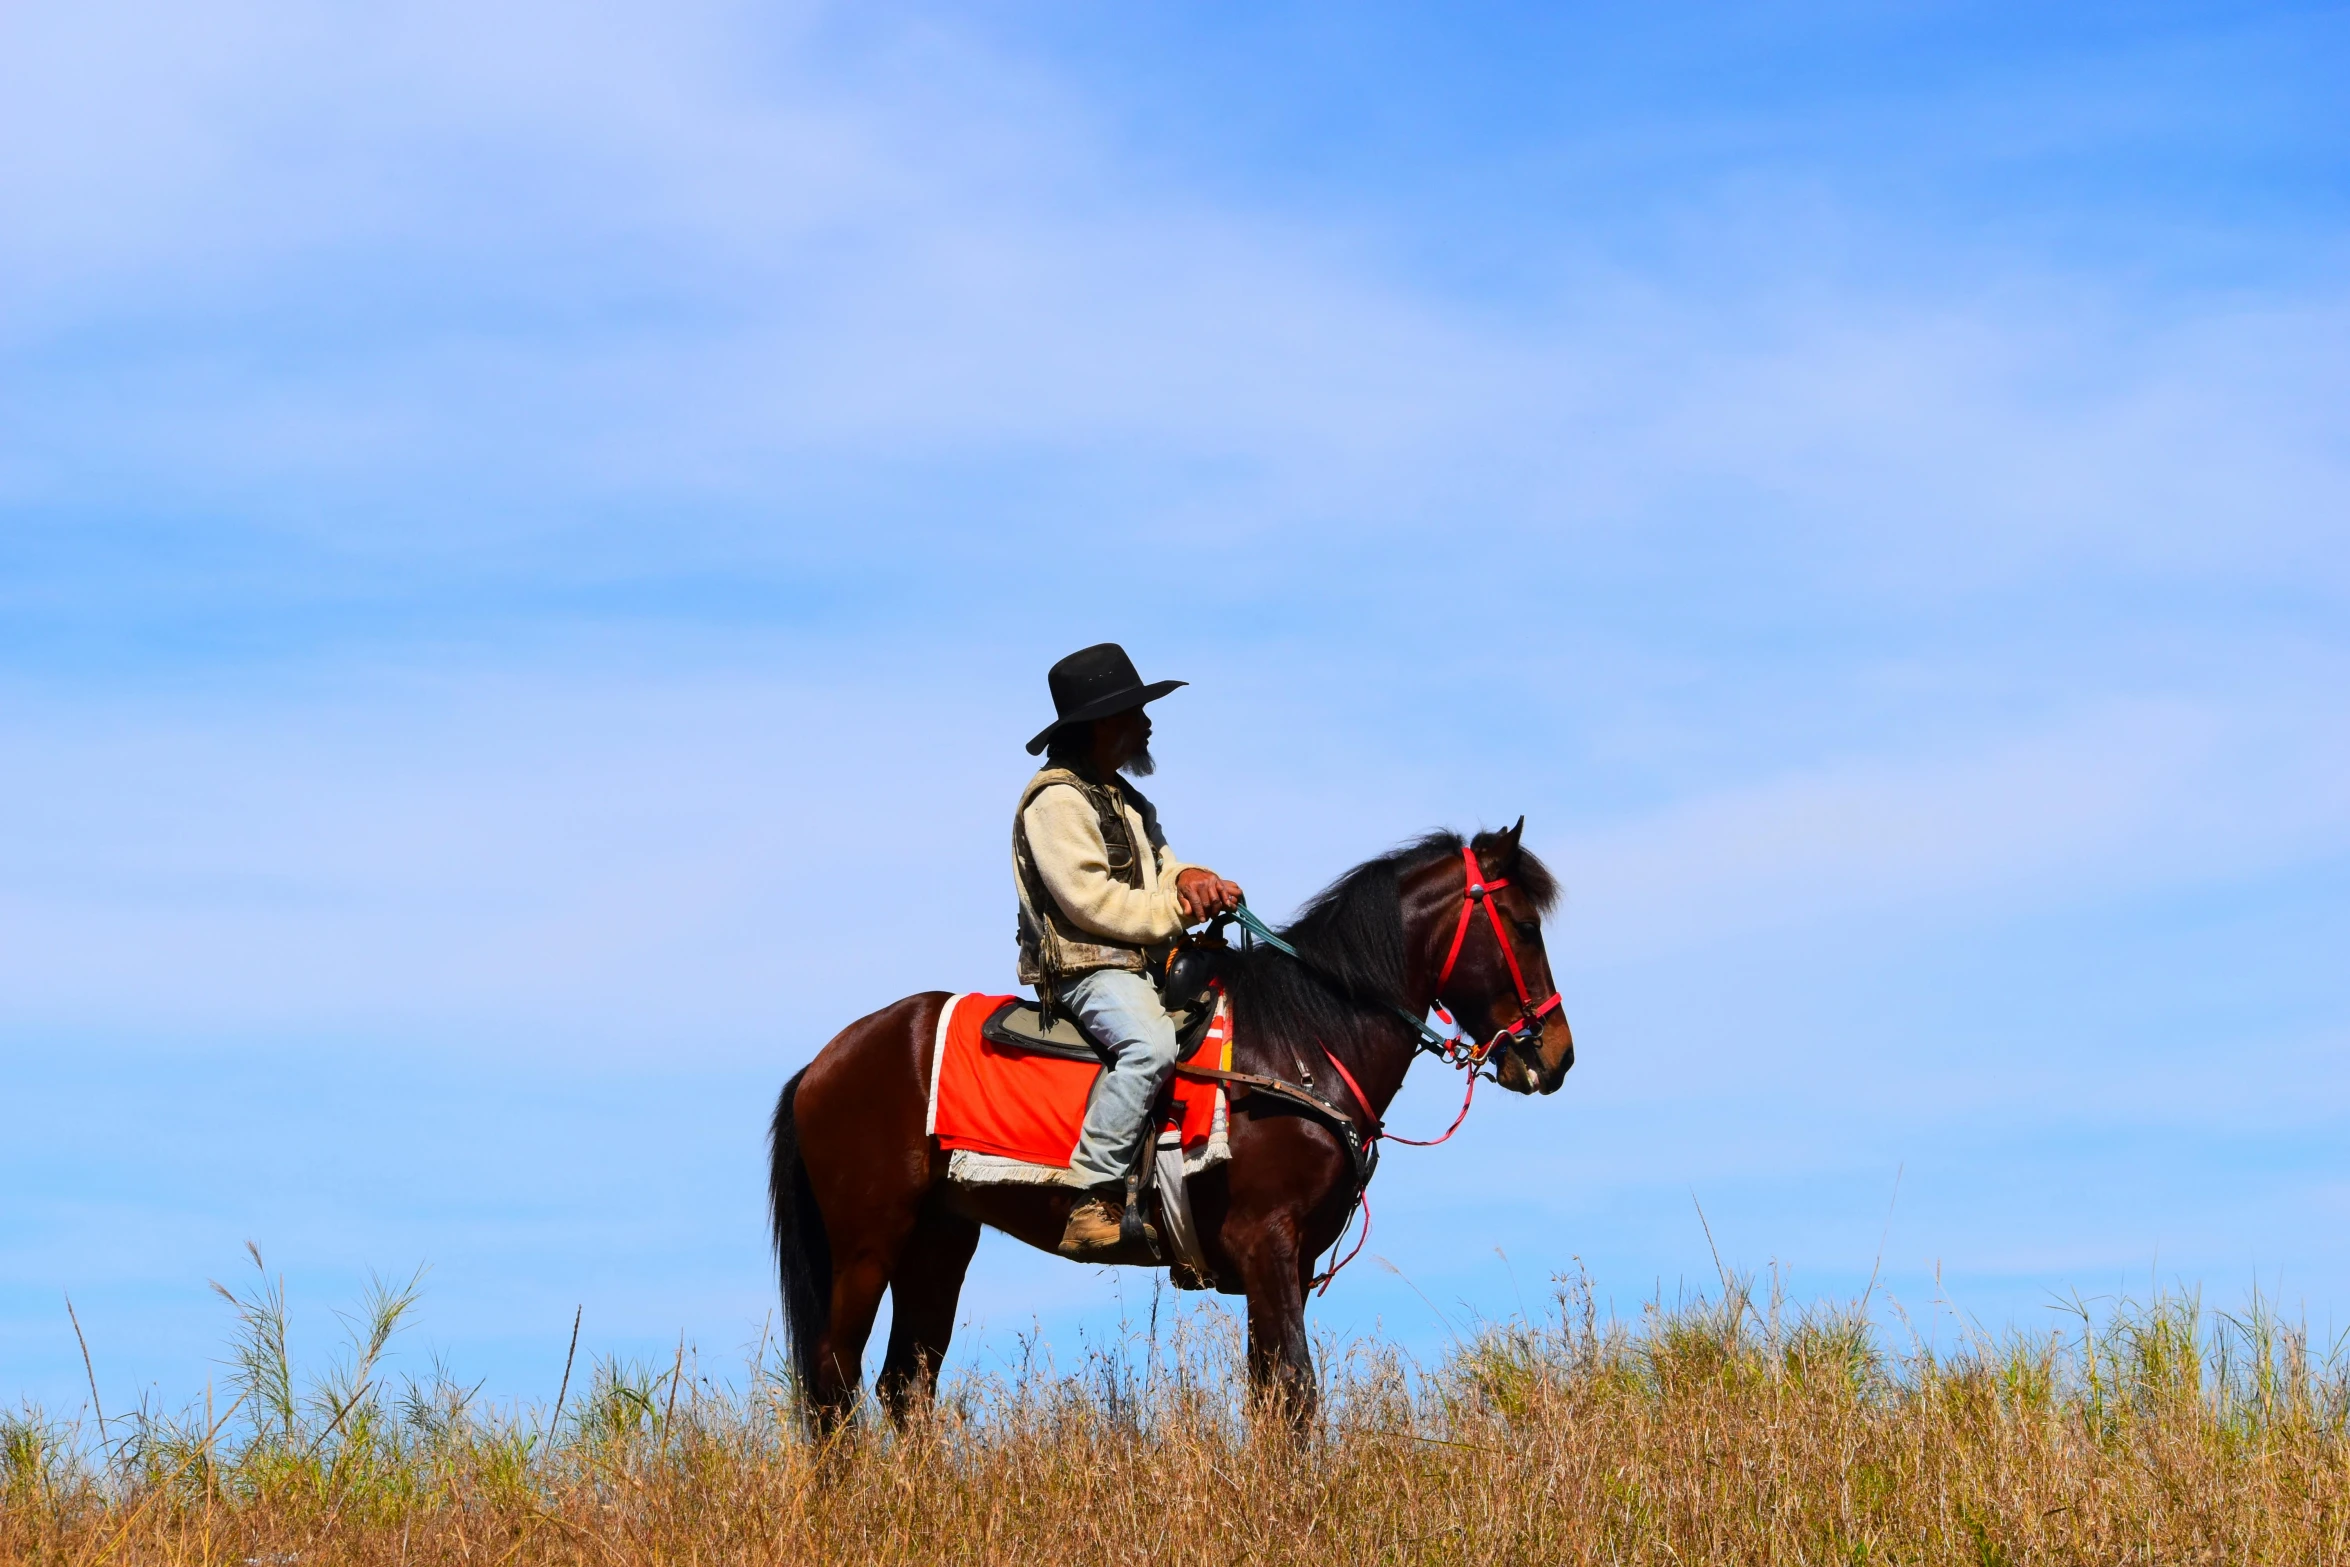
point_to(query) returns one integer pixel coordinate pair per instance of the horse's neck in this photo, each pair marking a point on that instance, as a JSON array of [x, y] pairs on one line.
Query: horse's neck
[[1385, 1052], [1374, 1049], [1379, 1051], [1379, 1062]]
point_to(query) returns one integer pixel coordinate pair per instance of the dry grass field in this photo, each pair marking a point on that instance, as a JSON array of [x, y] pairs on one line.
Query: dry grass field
[[1727, 1429]]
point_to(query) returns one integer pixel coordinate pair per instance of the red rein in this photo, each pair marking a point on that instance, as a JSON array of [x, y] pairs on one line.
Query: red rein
[[1530, 1015], [1321, 1286]]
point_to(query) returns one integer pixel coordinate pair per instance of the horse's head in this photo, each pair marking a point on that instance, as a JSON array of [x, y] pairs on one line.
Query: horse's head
[[1483, 912]]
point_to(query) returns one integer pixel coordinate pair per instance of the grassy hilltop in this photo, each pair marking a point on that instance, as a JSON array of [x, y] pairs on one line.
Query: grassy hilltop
[[1728, 1429]]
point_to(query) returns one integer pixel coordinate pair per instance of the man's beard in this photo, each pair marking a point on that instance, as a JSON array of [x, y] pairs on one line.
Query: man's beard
[[1140, 765]]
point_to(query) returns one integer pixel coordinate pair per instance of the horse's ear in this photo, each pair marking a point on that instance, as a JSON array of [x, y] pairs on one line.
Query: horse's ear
[[1505, 850]]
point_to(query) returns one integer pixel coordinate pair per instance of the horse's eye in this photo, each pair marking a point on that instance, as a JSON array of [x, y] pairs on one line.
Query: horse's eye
[[1530, 929]]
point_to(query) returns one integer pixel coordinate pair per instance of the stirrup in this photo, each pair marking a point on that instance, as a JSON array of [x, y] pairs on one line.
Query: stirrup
[[1133, 1229]]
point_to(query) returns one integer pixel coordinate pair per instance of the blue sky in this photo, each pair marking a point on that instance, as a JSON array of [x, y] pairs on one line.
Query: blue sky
[[529, 542]]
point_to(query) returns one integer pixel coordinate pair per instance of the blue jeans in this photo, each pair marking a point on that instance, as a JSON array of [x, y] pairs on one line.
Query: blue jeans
[[1120, 1010]]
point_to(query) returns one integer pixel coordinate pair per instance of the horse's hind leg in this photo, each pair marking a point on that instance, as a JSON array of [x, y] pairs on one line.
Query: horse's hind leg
[[857, 1283], [869, 1227], [857, 1119], [922, 1297]]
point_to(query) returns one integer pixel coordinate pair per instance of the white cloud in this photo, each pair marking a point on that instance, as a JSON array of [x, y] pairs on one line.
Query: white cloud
[[677, 259], [445, 285], [2107, 804], [601, 864]]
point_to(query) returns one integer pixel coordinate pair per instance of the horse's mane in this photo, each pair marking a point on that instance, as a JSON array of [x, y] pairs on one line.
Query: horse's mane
[[1351, 934]]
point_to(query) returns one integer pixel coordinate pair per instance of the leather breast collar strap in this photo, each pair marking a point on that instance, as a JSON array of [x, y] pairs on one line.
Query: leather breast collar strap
[[1362, 1152]]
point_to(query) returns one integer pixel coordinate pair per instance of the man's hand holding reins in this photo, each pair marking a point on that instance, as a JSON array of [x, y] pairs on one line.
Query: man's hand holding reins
[[1204, 894]]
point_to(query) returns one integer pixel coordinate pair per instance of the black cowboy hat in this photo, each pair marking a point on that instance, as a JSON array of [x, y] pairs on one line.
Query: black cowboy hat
[[1093, 683]]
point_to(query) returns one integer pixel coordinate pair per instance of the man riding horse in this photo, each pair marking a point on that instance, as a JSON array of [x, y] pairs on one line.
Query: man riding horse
[[1327, 1014], [1099, 890]]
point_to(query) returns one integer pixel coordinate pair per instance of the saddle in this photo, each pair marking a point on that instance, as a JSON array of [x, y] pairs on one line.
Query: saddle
[[1020, 1025], [971, 1114]]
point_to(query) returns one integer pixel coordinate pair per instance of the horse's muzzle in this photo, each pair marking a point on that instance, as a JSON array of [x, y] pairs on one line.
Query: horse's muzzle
[[1549, 1070]]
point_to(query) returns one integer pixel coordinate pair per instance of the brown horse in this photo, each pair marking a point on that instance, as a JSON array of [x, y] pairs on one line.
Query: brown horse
[[858, 1192]]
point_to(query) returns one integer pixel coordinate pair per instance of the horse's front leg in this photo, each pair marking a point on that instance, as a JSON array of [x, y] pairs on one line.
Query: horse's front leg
[[1273, 1273]]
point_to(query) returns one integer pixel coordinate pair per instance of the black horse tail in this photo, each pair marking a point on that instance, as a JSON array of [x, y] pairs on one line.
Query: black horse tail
[[803, 1256]]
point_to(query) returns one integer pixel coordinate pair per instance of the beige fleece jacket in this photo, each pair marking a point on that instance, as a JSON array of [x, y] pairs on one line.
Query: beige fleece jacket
[[1066, 838]]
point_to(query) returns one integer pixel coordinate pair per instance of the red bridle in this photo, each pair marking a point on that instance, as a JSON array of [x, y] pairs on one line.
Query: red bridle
[[1530, 1012]]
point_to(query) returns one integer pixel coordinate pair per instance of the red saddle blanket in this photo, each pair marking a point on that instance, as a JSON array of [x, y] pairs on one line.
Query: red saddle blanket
[[1021, 1105]]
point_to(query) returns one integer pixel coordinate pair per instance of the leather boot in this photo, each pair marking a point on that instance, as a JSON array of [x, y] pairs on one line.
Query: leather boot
[[1093, 1226]]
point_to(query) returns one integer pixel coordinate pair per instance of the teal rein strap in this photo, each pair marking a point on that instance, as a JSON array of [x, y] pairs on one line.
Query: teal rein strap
[[1264, 932], [1260, 931]]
